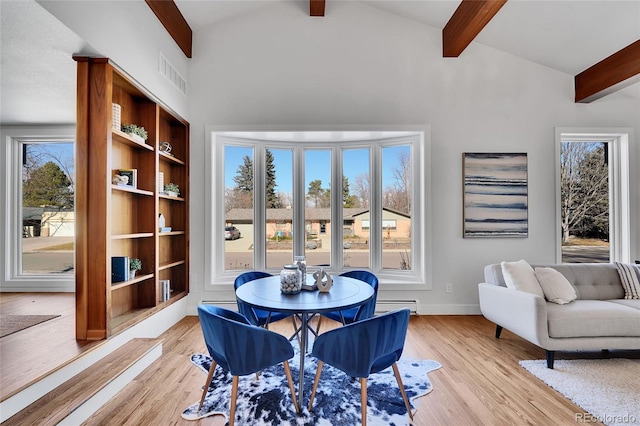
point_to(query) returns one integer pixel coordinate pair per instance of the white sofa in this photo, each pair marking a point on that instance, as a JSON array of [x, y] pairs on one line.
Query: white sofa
[[599, 319]]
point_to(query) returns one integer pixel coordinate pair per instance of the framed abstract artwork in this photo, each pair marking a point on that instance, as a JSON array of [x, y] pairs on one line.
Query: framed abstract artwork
[[495, 195]]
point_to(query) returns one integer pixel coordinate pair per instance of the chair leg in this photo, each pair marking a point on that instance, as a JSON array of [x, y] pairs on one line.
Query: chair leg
[[319, 322], [234, 395], [396, 372], [287, 371], [207, 383], [315, 383], [363, 399]]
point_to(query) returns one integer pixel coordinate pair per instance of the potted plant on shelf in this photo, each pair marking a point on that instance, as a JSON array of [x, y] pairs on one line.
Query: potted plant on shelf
[[134, 265], [172, 189], [136, 132]]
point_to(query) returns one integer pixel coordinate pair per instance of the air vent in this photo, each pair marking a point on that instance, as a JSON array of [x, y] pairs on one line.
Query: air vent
[[172, 75]]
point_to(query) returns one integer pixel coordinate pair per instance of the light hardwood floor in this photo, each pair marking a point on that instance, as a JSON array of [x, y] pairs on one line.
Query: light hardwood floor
[[31, 354], [480, 382]]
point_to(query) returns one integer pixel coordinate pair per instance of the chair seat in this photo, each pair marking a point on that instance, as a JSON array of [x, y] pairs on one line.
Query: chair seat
[[362, 348], [348, 314], [263, 315], [241, 348]]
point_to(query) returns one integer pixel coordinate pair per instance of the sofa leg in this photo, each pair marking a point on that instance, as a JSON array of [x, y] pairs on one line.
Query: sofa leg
[[498, 331], [550, 358], [606, 354]]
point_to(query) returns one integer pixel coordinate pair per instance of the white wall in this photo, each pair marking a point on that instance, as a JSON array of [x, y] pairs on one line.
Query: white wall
[[360, 66], [130, 35]]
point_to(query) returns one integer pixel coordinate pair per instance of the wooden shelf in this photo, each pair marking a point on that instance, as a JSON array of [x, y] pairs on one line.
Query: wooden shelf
[[170, 233], [170, 158], [169, 197], [136, 280], [170, 265], [131, 189], [115, 220], [132, 236], [120, 136]]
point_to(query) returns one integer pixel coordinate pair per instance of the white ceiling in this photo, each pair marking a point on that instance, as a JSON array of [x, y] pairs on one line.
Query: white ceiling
[[38, 75]]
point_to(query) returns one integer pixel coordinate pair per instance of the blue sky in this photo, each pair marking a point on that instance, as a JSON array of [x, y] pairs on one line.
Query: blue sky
[[317, 165]]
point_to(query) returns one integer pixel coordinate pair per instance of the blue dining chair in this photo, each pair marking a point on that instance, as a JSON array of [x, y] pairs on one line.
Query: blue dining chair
[[358, 313], [241, 349], [255, 316], [362, 348]]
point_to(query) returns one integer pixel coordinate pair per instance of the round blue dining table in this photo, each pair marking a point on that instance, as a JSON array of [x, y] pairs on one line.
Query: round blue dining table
[[264, 293]]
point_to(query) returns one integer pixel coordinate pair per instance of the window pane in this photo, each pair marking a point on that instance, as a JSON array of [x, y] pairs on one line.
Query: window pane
[[238, 205], [48, 213], [355, 208], [396, 207], [279, 204], [317, 214], [584, 180]]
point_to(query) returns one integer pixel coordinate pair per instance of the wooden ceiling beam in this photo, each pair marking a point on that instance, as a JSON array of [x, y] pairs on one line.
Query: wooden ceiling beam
[[316, 7], [609, 75], [467, 21], [169, 15]]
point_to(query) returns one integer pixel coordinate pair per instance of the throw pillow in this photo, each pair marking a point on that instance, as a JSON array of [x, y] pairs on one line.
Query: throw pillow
[[555, 286], [520, 276], [630, 277]]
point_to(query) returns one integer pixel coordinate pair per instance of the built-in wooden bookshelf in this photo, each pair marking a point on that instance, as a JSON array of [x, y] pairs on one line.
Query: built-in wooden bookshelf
[[122, 220]]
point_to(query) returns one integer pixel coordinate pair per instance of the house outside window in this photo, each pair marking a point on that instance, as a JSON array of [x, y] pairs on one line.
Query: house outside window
[[294, 192]]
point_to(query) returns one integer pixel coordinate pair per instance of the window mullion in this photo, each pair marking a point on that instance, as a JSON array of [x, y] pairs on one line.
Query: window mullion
[[375, 208], [298, 200], [337, 220], [259, 208]]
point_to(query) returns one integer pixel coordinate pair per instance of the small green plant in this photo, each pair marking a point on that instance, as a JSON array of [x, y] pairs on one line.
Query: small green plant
[[172, 187], [135, 264], [136, 130]]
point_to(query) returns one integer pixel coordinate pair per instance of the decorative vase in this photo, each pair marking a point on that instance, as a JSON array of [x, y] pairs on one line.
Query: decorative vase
[[116, 113], [302, 265], [290, 280], [161, 221], [132, 274]]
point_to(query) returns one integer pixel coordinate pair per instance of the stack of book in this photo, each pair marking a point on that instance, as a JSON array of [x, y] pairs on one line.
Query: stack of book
[[119, 269], [164, 290]]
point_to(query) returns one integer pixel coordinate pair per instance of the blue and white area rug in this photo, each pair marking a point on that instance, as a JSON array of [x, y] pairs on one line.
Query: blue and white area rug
[[267, 400]]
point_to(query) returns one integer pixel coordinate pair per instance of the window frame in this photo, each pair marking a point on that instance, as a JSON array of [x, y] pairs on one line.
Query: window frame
[[13, 278], [419, 278], [618, 141]]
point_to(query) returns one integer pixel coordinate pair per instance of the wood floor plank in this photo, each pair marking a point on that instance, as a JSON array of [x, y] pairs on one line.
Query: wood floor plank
[[54, 407], [480, 383]]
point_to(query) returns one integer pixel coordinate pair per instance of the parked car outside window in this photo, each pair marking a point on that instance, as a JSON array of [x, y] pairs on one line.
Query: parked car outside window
[[231, 233]]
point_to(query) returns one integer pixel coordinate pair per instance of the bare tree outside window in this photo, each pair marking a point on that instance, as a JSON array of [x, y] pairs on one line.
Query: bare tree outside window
[[584, 180]]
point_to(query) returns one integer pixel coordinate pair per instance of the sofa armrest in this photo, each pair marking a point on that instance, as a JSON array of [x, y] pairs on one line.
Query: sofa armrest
[[522, 313]]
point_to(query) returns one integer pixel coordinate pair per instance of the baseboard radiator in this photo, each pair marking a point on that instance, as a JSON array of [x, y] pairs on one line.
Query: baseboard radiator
[[383, 306], [227, 304]]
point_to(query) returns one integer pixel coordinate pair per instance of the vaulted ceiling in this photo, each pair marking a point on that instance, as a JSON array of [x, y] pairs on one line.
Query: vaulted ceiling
[[596, 41], [569, 36]]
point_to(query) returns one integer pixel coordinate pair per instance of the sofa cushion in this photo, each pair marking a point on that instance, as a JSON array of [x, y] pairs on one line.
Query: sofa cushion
[[520, 276], [632, 303], [592, 281], [555, 286], [592, 318], [630, 278]]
